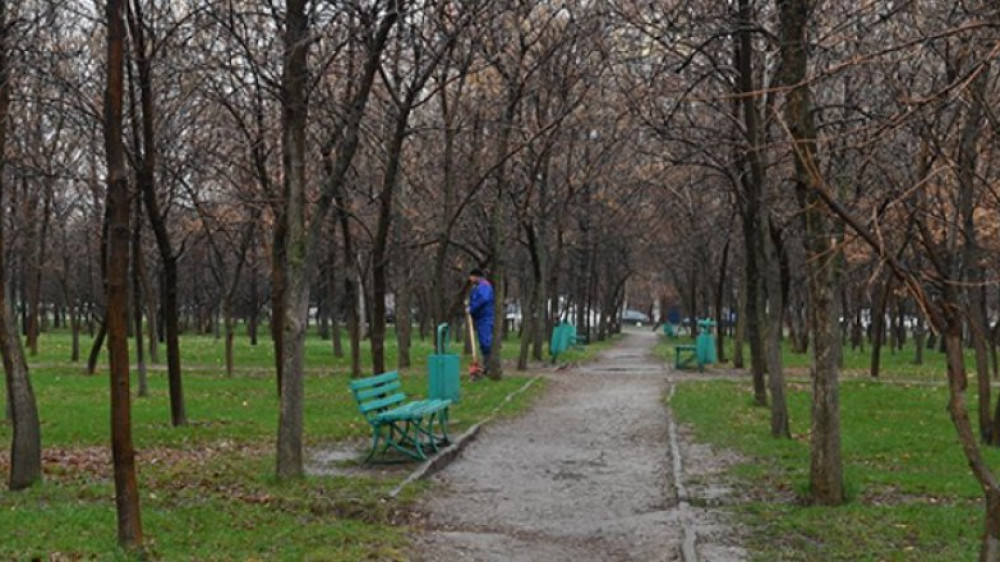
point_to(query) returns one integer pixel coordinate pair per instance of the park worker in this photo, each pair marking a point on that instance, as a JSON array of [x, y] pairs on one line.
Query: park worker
[[481, 303]]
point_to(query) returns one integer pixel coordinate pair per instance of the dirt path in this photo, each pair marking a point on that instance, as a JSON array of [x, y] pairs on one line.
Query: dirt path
[[589, 474]]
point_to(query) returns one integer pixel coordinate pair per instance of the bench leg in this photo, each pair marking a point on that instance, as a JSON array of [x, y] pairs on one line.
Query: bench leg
[[376, 437], [411, 436], [408, 440], [402, 436], [443, 424], [441, 436], [426, 428]]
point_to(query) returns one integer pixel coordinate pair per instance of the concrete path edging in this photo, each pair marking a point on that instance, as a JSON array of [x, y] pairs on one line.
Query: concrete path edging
[[449, 453], [688, 549]]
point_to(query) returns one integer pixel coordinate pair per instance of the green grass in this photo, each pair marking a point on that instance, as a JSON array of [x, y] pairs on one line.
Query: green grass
[[911, 494], [208, 489], [895, 365]]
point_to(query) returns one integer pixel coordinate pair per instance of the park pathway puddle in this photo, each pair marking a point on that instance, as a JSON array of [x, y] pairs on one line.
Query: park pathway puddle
[[588, 474]]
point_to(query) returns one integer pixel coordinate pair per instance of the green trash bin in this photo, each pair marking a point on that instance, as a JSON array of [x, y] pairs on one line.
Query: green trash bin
[[560, 340], [669, 330], [443, 370], [705, 343]]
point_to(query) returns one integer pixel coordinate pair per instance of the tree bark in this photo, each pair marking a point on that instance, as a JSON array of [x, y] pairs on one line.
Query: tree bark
[[720, 290], [826, 470], [877, 323], [494, 367], [775, 305], [140, 356], [35, 270], [26, 440], [380, 251], [295, 293], [301, 239], [966, 162], [741, 322], [752, 212], [152, 314], [95, 349], [116, 286], [919, 335], [333, 294], [146, 175], [958, 410]]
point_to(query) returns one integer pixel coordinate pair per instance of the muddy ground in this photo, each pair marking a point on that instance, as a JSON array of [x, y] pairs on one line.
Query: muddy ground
[[590, 473]]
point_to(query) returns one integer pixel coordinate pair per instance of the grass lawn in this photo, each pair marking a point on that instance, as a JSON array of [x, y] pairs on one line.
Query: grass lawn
[[895, 364], [208, 489], [911, 493]]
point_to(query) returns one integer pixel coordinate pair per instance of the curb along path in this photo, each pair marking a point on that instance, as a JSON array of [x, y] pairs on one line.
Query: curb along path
[[591, 472]]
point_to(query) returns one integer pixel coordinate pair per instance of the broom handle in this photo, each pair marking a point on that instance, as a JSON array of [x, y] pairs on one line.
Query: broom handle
[[472, 337]]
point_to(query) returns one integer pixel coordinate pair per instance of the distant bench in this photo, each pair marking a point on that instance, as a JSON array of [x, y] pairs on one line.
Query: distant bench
[[408, 427], [685, 355]]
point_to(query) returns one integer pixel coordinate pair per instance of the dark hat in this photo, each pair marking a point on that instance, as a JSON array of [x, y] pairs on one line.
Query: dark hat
[[477, 272]]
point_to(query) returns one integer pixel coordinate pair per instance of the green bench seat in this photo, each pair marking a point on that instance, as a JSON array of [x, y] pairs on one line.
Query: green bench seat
[[411, 428]]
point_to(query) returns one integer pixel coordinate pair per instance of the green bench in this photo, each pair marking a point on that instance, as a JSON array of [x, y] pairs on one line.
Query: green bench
[[685, 355], [411, 428], [702, 352]]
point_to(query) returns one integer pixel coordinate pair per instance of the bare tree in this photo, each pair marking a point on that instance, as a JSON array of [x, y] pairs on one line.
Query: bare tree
[[146, 158], [116, 283], [826, 478], [427, 38], [26, 442]]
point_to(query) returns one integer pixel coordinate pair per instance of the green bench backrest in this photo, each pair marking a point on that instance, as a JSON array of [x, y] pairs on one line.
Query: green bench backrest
[[378, 393]]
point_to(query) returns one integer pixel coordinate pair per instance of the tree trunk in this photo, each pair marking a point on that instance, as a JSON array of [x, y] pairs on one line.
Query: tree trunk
[[334, 295], [301, 239], [965, 169], [772, 333], [74, 320], [380, 250], [140, 356], [857, 341], [825, 471], [278, 258], [116, 287], [404, 322], [877, 322], [26, 440], [538, 316], [403, 291], [741, 323], [295, 293], [152, 312], [919, 335], [892, 305], [178, 415], [529, 328], [720, 290], [494, 367], [147, 186], [35, 271], [752, 213], [98, 344], [958, 410], [538, 319]]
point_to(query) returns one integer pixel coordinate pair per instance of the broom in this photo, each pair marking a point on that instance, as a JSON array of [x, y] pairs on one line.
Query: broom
[[474, 369]]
